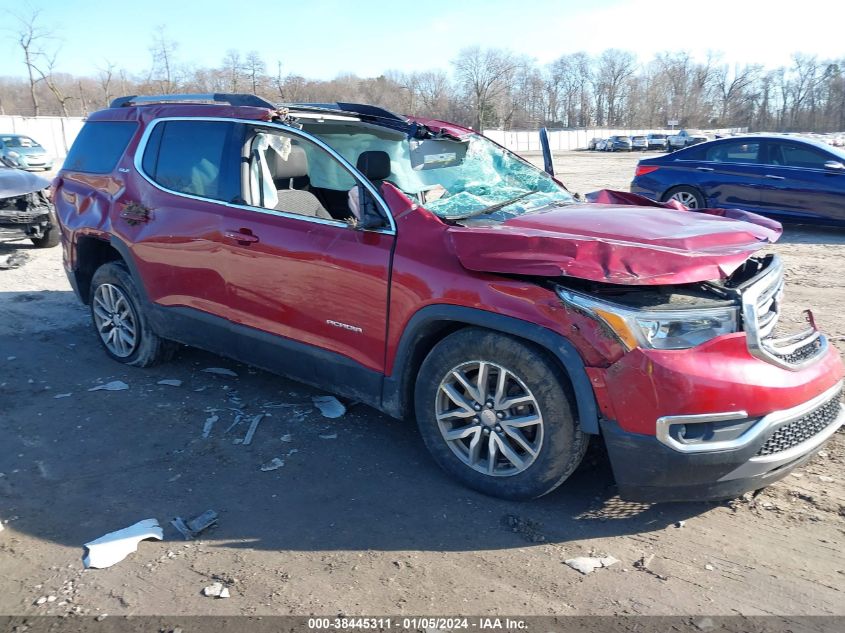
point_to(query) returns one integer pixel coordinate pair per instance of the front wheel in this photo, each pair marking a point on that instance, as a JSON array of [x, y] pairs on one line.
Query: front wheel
[[119, 319], [496, 413], [690, 197]]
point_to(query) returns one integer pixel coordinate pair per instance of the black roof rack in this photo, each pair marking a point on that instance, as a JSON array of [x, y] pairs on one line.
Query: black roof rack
[[216, 97]]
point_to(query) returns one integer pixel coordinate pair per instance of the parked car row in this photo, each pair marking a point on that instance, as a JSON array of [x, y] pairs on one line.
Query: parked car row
[[619, 143]]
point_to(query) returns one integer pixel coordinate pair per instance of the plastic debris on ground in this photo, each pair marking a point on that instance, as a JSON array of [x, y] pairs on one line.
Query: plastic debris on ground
[[114, 385], [216, 590], [287, 437], [329, 406], [62, 395], [273, 464], [220, 371], [191, 528], [115, 546], [253, 425], [328, 436], [209, 424], [587, 564], [170, 382]]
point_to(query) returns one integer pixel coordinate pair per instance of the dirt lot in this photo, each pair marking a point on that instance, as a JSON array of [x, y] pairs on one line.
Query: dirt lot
[[359, 520]]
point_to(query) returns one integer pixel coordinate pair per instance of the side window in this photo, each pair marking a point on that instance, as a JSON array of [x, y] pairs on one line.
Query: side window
[[741, 151], [797, 155], [195, 157], [99, 145], [291, 174]]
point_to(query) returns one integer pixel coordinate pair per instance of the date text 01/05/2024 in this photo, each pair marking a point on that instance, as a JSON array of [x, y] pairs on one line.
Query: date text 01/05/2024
[[415, 623]]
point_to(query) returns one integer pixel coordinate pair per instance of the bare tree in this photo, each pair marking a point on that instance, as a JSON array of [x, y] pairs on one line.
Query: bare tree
[[485, 75], [31, 37], [234, 67], [255, 69], [105, 76], [163, 51]]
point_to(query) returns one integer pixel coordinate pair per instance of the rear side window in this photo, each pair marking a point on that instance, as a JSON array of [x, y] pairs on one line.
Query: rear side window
[[199, 158], [734, 152], [99, 145]]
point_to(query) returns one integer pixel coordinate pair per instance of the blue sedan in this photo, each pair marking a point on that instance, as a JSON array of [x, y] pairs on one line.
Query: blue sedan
[[788, 177]]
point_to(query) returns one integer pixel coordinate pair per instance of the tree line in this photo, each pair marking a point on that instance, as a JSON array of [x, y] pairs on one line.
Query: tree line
[[483, 88]]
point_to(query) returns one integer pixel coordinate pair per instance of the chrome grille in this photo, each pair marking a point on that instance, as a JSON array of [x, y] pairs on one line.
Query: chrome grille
[[803, 428], [761, 303]]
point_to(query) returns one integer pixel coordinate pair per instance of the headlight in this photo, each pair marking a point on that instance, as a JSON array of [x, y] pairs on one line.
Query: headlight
[[12, 154], [657, 329]]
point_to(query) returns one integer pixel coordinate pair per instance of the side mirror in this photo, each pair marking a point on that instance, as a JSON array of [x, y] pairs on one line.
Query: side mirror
[[834, 165], [370, 216]]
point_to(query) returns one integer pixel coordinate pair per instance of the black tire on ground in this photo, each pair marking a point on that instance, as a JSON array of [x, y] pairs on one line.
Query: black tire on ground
[[686, 189], [150, 349], [51, 236], [563, 442]]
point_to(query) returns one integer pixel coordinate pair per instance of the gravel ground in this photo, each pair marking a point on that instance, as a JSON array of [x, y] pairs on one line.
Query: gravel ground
[[359, 520]]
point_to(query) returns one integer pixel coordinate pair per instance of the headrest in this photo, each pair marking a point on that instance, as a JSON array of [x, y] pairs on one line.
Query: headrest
[[375, 165], [295, 166]]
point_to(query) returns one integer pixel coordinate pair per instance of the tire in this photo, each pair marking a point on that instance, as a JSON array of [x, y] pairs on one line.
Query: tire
[[115, 294], [550, 449], [685, 192], [51, 236]]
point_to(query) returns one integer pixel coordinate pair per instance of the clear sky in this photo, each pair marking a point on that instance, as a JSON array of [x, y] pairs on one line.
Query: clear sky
[[324, 38]]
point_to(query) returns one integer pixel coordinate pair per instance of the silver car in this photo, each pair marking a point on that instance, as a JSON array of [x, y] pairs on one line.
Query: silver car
[[17, 150], [639, 143]]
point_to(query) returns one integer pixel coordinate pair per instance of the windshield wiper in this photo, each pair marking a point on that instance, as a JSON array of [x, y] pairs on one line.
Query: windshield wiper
[[493, 207]]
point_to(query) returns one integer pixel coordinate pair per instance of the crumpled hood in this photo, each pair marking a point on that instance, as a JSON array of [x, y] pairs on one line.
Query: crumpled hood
[[616, 243], [17, 182]]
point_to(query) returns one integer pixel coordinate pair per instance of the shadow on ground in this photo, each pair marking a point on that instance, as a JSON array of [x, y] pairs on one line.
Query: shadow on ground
[[78, 466]]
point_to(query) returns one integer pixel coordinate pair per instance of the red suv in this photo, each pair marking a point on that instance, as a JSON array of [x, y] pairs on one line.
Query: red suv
[[419, 267]]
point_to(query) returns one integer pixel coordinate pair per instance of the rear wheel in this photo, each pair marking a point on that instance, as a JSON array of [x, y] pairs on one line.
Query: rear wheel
[[690, 197], [119, 319], [496, 414]]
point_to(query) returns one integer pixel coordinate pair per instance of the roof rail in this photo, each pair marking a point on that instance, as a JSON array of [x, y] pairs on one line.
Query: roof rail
[[361, 109], [232, 99]]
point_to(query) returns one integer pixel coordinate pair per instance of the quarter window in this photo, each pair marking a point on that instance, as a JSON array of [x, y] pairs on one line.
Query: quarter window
[[195, 157], [98, 146]]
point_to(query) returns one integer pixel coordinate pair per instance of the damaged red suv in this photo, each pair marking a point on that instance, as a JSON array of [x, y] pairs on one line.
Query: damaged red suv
[[418, 267]]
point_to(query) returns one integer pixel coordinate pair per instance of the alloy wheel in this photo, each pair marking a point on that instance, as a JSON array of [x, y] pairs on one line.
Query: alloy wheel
[[115, 320], [686, 198], [489, 418]]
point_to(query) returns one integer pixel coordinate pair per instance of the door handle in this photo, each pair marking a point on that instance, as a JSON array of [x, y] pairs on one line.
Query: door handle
[[704, 168], [244, 237], [773, 177]]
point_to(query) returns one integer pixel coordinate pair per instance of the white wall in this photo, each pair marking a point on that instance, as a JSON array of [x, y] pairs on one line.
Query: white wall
[[55, 133], [529, 140]]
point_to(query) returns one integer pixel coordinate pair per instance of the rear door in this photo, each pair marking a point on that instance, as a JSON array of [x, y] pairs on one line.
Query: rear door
[[797, 184], [173, 226]]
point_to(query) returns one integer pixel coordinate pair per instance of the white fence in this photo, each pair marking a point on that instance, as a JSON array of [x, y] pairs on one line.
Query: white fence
[[529, 140], [55, 133]]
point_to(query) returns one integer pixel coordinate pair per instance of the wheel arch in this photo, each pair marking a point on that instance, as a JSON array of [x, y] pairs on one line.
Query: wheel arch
[[432, 323]]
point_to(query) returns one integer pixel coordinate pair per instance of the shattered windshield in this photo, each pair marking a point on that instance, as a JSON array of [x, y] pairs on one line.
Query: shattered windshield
[[453, 178]]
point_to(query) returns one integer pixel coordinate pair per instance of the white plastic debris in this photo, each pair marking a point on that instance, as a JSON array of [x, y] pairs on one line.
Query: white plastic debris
[[251, 430], [115, 546], [273, 464], [587, 564], [215, 590], [220, 371], [328, 436], [170, 382], [62, 395], [114, 385], [286, 437], [209, 424], [329, 406]]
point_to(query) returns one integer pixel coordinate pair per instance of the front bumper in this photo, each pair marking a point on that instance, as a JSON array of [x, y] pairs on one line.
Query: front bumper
[[647, 469]]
